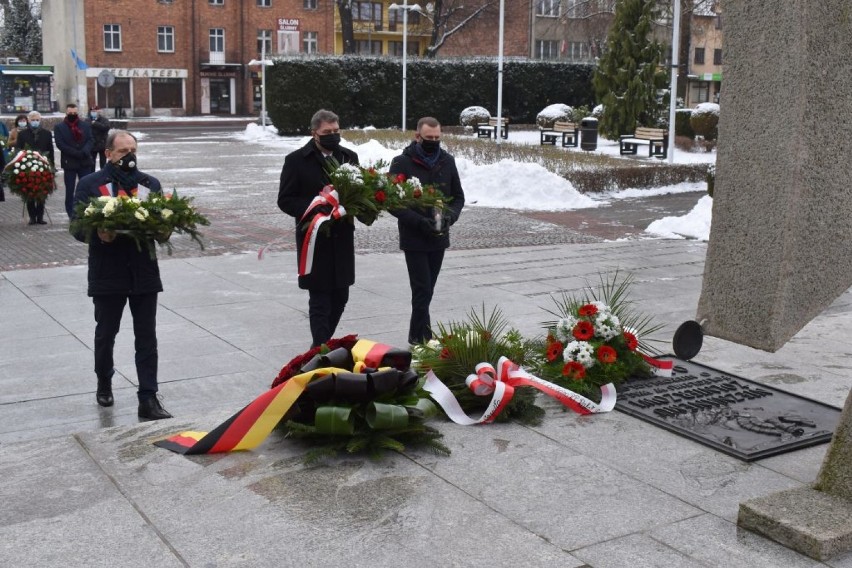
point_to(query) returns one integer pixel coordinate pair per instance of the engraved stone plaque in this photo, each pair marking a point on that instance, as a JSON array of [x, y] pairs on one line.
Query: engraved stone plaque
[[734, 415]]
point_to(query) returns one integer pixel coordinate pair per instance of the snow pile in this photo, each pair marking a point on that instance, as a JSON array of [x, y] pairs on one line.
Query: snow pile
[[695, 224]]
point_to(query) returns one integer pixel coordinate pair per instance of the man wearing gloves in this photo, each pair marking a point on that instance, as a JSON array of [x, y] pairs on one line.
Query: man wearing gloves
[[424, 234]]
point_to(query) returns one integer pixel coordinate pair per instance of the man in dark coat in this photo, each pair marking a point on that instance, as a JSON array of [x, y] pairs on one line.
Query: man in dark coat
[[119, 273], [100, 126], [74, 140], [34, 137], [333, 271], [423, 236]]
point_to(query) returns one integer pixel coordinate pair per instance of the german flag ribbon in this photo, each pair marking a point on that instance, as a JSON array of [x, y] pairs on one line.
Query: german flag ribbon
[[501, 383], [327, 196], [249, 427]]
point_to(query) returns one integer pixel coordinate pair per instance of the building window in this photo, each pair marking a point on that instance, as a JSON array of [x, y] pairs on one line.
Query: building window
[[217, 40], [166, 93], [575, 50], [264, 42], [547, 7], [112, 37], [717, 57], [310, 42], [546, 49], [395, 48], [368, 47], [395, 18], [217, 2], [699, 56], [573, 8], [264, 3], [166, 39], [371, 12], [310, 4]]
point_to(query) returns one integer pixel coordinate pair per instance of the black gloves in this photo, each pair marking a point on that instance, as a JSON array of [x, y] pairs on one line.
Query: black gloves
[[426, 226]]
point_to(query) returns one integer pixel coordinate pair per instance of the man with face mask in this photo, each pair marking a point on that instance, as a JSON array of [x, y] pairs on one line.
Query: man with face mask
[[424, 234], [34, 137], [119, 273], [303, 176], [75, 142], [100, 128]]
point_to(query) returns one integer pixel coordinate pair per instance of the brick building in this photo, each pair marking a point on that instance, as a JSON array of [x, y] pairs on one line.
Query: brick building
[[175, 57]]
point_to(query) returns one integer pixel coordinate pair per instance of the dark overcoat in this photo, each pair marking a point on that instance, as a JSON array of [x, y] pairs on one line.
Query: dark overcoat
[[74, 155], [118, 267], [37, 139], [302, 178], [443, 176]]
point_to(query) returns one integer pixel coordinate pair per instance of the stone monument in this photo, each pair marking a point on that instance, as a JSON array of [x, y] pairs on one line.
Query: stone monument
[[780, 247]]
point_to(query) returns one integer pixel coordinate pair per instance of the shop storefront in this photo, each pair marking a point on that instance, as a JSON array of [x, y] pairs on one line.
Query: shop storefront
[[139, 91], [219, 88], [25, 87]]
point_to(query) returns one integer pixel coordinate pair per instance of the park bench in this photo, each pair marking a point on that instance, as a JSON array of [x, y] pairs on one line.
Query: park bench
[[486, 129], [569, 131], [657, 140]]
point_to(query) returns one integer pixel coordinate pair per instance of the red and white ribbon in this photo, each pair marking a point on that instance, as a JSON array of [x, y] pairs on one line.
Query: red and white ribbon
[[501, 383], [327, 196], [659, 367]]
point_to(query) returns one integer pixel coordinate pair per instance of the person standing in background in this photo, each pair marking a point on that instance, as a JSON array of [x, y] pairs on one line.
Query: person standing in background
[[75, 142], [100, 128], [40, 140]]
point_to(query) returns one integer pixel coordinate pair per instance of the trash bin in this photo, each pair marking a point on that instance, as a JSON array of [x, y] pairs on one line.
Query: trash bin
[[589, 133]]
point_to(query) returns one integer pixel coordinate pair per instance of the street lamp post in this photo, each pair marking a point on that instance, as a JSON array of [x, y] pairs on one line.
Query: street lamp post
[[405, 8], [263, 63]]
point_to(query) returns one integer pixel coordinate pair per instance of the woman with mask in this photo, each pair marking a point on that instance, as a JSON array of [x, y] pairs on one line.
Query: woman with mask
[[21, 123]]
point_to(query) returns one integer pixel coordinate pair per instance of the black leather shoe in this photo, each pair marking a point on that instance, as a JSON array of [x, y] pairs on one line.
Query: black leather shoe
[[41, 222], [151, 409], [104, 393], [32, 222]]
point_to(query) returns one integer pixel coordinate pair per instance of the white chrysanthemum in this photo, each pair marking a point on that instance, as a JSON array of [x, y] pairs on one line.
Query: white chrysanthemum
[[90, 210], [167, 213], [580, 351], [141, 214], [400, 191], [607, 325], [415, 182], [602, 308], [564, 328], [352, 172]]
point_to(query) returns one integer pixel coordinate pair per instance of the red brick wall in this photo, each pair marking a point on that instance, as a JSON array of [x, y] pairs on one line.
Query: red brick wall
[[481, 35]]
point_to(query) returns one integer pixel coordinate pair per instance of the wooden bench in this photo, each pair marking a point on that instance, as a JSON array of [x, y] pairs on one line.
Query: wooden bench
[[486, 129], [569, 131], [657, 140]]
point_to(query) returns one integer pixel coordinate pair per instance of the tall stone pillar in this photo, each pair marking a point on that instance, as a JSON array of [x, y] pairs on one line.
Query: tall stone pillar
[[780, 248]]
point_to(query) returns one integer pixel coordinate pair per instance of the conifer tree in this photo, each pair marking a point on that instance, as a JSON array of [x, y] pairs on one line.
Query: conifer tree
[[628, 73], [21, 31]]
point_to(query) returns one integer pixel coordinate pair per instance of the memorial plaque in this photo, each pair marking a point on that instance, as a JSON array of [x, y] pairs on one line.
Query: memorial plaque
[[737, 416]]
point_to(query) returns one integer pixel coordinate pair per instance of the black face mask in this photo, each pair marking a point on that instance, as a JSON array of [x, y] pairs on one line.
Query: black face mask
[[71, 117], [127, 163], [330, 142], [430, 146]]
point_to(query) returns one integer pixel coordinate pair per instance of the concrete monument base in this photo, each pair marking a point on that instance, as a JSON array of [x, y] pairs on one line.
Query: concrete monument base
[[812, 522]]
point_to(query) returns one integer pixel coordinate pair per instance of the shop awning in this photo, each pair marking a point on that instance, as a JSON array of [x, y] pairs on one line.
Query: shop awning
[[24, 72]]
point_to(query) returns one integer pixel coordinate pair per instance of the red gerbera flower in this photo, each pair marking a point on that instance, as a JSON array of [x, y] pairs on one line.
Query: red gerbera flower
[[606, 354], [445, 353], [574, 370], [630, 339], [380, 196], [587, 310], [584, 330], [554, 350]]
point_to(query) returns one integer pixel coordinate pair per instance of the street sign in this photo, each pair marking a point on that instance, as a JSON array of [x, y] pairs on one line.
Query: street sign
[[106, 79]]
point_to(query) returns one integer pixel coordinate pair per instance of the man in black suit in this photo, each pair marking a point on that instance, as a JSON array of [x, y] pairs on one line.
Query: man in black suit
[[39, 139], [303, 176]]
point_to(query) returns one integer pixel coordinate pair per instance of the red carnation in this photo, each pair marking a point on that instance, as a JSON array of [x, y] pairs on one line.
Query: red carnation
[[380, 196], [400, 178], [587, 310], [554, 350], [574, 370], [607, 354], [583, 331], [630, 339]]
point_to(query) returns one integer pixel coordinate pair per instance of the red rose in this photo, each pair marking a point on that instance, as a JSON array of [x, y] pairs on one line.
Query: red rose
[[574, 370], [587, 310], [583, 331], [400, 178], [630, 339], [606, 354], [380, 196]]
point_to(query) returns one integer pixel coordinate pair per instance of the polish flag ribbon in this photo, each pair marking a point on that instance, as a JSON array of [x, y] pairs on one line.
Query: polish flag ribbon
[[501, 383], [659, 367], [327, 196]]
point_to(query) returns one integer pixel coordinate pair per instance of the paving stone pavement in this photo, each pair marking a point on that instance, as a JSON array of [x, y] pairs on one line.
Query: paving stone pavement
[[84, 486]]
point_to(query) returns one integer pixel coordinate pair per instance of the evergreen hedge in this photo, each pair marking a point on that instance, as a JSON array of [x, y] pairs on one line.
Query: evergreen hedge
[[367, 91]]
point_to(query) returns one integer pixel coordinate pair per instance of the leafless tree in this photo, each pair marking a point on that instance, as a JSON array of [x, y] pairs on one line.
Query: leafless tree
[[347, 31], [448, 17]]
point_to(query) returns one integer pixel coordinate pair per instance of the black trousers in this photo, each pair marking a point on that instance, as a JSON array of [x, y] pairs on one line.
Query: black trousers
[[71, 177], [423, 270], [99, 157], [108, 311], [325, 308], [35, 209]]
